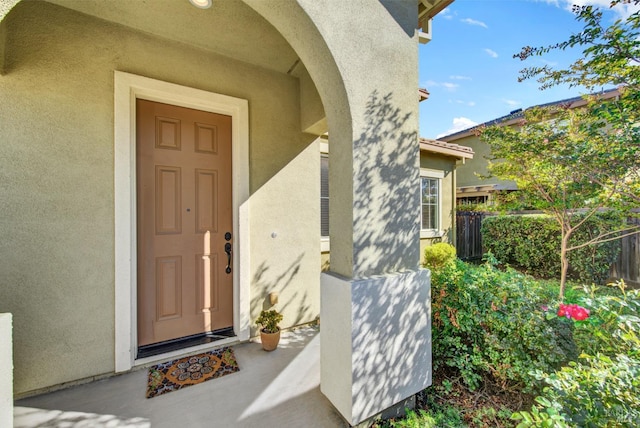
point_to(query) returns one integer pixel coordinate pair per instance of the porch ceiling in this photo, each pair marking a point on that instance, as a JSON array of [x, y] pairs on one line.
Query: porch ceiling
[[229, 27]]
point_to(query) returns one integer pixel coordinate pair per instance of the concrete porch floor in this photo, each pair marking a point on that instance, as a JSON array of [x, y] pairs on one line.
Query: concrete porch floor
[[272, 389]]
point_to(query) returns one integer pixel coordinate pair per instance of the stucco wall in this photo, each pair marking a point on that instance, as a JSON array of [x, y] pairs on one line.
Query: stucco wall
[[285, 237], [312, 116], [447, 222], [3, 39], [478, 165], [56, 182]]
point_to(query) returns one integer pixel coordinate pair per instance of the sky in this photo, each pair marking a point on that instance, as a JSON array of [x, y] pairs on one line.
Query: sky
[[468, 67]]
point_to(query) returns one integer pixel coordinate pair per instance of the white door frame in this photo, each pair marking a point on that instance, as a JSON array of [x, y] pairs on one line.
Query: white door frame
[[127, 88]]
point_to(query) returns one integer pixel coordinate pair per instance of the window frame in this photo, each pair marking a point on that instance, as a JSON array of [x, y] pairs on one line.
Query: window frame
[[439, 176]]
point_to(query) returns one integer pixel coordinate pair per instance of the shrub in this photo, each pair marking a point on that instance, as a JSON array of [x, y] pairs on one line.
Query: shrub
[[448, 417], [597, 391], [490, 324], [542, 415], [532, 243], [614, 325], [602, 388], [437, 256]]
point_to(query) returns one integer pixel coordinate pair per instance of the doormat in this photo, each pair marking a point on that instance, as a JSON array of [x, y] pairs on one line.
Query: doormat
[[187, 371]]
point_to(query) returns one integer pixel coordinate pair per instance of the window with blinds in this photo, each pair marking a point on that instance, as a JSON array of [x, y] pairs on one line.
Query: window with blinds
[[324, 195]]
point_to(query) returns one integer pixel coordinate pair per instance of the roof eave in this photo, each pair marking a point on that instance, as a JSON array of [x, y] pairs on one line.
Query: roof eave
[[465, 153]]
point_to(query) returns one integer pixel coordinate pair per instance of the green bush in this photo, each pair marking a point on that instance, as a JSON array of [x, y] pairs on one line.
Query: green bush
[[439, 255], [541, 415], [501, 328], [597, 391], [532, 243], [436, 418], [490, 324], [614, 325], [601, 388]]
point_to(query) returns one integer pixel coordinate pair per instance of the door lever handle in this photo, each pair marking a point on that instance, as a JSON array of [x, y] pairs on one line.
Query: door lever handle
[[227, 249]]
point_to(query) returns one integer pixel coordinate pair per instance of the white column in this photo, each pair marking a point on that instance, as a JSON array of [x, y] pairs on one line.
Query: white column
[[375, 341], [6, 372]]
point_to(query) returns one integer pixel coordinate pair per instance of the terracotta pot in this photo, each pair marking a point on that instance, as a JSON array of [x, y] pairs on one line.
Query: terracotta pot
[[269, 340]]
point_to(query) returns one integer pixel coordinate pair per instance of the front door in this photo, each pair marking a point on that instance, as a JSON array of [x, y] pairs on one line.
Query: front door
[[184, 217]]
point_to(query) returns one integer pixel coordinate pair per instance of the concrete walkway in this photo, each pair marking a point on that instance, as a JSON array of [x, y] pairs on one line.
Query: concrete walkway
[[272, 389]]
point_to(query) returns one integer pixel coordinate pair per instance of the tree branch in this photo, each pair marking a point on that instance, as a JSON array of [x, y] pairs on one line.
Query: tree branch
[[598, 239]]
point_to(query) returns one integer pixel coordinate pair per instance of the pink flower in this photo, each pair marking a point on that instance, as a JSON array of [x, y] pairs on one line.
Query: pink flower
[[576, 312], [580, 313], [562, 311]]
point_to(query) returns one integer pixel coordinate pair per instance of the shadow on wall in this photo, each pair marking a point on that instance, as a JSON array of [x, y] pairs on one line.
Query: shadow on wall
[[266, 282], [386, 226], [400, 11], [392, 340], [448, 234], [391, 314]]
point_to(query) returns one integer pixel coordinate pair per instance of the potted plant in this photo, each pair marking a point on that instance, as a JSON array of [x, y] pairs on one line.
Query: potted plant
[[269, 331]]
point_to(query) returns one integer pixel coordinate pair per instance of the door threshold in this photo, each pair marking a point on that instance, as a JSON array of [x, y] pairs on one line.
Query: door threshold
[[184, 342], [174, 355]]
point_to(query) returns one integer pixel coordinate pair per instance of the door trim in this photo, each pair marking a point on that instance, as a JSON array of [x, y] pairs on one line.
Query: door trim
[[127, 88]]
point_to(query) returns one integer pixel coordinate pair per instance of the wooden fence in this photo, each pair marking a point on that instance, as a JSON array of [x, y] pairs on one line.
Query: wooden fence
[[469, 247], [628, 265], [468, 236]]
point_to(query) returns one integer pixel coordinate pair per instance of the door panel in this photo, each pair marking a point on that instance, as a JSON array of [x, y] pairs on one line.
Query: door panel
[[207, 196], [184, 209], [168, 196], [168, 288]]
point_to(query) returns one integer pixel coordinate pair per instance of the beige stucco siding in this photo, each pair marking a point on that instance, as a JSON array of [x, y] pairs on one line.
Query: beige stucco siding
[[469, 173], [447, 165], [56, 182], [312, 116], [285, 225]]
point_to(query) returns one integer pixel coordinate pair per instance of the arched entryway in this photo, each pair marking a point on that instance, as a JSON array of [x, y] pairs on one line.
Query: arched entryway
[[376, 337]]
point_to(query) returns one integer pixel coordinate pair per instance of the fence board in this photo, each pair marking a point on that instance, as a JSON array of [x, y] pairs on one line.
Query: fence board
[[627, 266], [468, 236]]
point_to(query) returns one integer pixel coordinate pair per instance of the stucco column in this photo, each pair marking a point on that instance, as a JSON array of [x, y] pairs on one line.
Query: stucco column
[[374, 165], [375, 302]]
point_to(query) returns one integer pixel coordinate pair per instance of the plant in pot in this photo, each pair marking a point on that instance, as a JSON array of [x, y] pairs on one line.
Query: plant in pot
[[269, 331]]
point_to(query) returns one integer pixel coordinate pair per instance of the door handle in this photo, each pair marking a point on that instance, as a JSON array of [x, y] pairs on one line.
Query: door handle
[[227, 249]]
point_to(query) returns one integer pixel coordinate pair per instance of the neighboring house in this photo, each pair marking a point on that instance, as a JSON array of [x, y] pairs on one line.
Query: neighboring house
[[472, 188], [156, 184], [439, 164]]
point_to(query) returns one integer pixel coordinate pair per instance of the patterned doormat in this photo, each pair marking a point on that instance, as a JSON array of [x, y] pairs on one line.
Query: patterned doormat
[[178, 374]]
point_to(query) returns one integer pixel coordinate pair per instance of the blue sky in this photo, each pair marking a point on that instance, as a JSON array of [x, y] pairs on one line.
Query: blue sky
[[469, 68]]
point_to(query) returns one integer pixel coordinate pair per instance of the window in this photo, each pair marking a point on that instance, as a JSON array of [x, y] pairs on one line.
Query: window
[[431, 204], [324, 195]]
